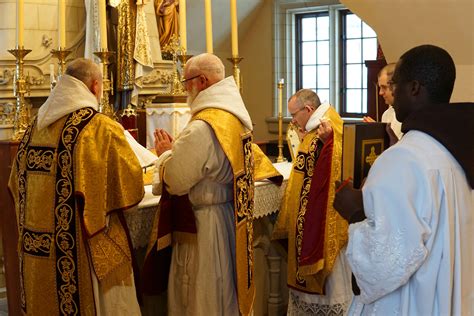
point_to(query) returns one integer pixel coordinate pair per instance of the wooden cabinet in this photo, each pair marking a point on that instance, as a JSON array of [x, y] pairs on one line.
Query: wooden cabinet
[[8, 228]]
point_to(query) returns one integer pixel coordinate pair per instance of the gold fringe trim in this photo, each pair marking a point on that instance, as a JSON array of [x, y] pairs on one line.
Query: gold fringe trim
[[163, 242], [311, 269], [184, 238], [121, 275]]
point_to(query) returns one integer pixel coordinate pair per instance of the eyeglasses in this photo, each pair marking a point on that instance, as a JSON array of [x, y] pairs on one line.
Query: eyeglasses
[[294, 113], [185, 80]]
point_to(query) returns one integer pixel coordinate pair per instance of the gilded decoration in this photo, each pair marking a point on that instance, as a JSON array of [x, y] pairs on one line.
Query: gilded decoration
[[39, 159], [126, 42], [37, 244], [7, 113], [245, 193], [305, 164], [42, 159]]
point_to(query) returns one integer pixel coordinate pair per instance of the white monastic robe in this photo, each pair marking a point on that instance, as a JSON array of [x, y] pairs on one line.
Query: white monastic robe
[[203, 276], [408, 256]]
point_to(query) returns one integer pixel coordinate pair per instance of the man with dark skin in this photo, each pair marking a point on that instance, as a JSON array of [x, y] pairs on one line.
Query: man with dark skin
[[410, 254]]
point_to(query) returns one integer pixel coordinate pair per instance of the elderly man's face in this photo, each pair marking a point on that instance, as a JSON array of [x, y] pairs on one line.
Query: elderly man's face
[[299, 112]]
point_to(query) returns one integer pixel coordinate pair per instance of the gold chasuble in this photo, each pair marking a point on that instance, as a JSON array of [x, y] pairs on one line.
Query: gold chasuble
[[315, 231], [69, 182]]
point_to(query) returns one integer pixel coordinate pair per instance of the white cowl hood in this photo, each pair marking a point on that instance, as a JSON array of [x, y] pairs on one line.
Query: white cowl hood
[[69, 95], [315, 118], [223, 95]]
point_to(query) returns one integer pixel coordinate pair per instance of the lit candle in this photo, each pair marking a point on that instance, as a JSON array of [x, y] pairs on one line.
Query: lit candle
[[103, 25], [234, 32], [207, 4], [20, 8], [62, 23], [182, 24], [280, 96]]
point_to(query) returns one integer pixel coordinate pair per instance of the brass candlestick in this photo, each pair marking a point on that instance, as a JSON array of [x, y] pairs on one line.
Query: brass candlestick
[[61, 54], [183, 59], [104, 104], [175, 49], [20, 88], [236, 70], [280, 157]]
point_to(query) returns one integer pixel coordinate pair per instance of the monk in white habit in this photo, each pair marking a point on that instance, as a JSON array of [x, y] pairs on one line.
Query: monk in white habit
[[413, 254], [212, 161]]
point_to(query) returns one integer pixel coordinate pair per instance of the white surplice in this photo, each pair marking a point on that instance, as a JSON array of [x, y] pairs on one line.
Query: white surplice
[[202, 279], [389, 117], [413, 254]]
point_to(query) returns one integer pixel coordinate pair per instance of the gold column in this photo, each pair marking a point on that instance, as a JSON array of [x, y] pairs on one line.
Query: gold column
[[20, 88], [104, 104]]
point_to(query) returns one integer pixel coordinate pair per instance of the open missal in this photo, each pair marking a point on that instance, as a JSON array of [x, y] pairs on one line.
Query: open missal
[[362, 143]]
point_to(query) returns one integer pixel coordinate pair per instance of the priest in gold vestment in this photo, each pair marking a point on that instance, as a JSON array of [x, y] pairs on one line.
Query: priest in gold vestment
[[73, 177], [318, 275]]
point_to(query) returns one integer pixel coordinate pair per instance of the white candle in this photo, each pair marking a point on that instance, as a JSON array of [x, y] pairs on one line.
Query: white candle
[[62, 23], [51, 72], [234, 29], [20, 21], [280, 96], [182, 24], [103, 25], [209, 48]]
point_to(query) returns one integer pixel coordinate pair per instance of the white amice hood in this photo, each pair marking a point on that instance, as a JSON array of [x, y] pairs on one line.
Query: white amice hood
[[223, 95]]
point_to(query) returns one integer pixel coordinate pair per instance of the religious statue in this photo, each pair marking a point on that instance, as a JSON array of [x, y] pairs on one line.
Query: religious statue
[[167, 13]]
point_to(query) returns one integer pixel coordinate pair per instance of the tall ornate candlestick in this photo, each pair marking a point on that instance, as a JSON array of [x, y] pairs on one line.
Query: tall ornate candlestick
[[183, 59], [104, 104], [21, 87], [280, 157], [176, 50], [61, 54], [236, 70]]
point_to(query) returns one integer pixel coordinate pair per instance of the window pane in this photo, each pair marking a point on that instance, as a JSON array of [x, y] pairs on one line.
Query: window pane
[[367, 31], [364, 101], [353, 26], [370, 48], [353, 51], [323, 77], [323, 28], [308, 28], [309, 77], [323, 52], [323, 95], [309, 53], [364, 76], [354, 77], [353, 100]]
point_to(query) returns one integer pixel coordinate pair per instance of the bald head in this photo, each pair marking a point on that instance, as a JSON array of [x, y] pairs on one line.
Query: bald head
[[306, 97], [208, 65], [89, 73], [84, 70]]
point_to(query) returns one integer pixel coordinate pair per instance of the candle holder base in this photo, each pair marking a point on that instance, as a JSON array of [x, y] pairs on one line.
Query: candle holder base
[[61, 54], [235, 60]]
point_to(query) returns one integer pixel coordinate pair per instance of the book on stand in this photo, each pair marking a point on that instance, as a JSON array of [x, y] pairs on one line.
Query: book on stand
[[362, 143]]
